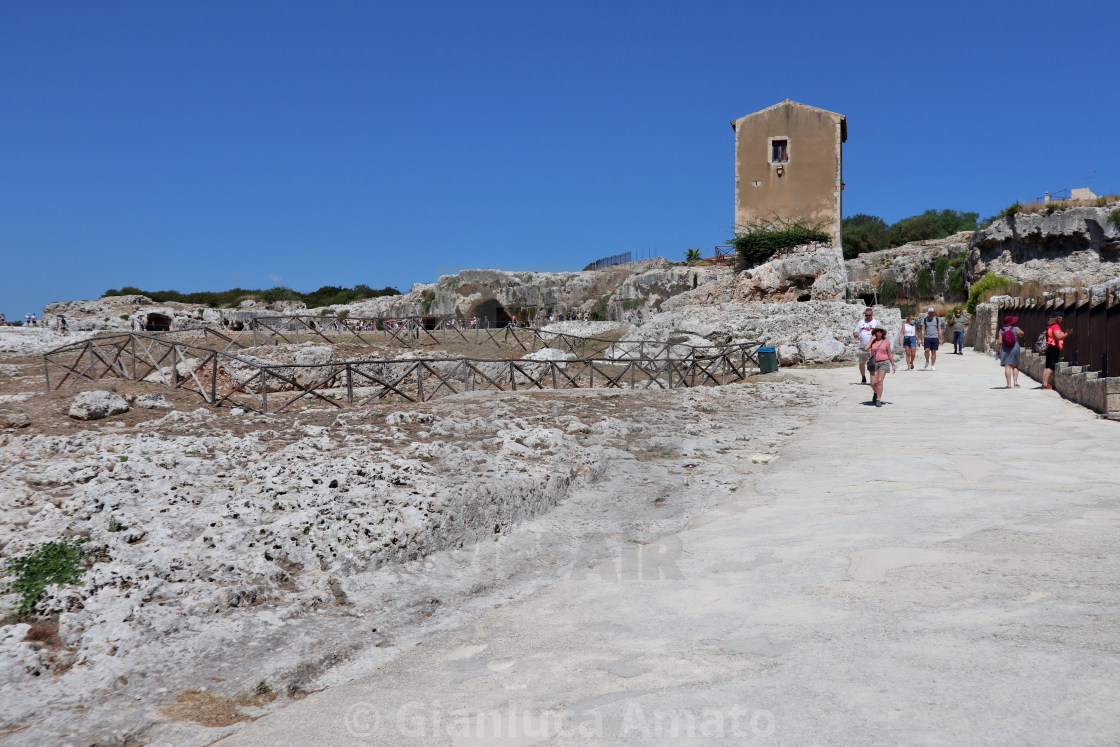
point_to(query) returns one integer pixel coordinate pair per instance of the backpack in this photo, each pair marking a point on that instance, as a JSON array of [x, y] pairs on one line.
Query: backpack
[[1041, 344], [1009, 338]]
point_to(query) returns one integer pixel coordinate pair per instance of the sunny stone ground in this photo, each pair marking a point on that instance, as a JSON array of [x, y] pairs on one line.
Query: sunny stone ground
[[245, 560], [942, 570]]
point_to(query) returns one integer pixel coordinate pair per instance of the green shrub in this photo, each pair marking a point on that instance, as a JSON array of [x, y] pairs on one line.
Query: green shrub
[[428, 300], [343, 314], [1114, 217], [1010, 210], [888, 291], [598, 312], [986, 287], [924, 283], [757, 242], [955, 281], [52, 563], [634, 303], [940, 269], [692, 254]]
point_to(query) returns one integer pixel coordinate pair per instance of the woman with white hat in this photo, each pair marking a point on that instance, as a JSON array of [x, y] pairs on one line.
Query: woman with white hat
[[880, 359]]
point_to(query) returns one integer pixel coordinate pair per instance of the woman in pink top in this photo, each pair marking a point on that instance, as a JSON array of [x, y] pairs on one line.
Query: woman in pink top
[[879, 361]]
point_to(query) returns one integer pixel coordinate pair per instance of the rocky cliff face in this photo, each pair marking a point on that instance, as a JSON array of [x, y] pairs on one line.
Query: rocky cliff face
[[1075, 246], [500, 295], [902, 264]]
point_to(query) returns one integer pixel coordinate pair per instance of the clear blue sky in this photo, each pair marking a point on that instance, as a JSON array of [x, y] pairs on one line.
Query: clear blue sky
[[206, 145]]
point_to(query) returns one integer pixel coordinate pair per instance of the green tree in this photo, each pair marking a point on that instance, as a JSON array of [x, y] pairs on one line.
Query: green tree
[[863, 233], [692, 255]]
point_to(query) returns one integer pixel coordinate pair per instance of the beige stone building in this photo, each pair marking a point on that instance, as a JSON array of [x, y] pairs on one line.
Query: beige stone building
[[788, 165]]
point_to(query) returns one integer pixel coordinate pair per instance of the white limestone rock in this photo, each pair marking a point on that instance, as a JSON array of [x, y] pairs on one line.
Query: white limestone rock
[[153, 402], [97, 405]]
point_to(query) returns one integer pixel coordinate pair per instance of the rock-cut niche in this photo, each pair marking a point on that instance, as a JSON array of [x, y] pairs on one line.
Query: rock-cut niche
[[492, 310], [158, 323]]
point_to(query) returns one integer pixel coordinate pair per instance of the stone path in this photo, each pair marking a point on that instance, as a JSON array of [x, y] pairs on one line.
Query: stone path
[[942, 570]]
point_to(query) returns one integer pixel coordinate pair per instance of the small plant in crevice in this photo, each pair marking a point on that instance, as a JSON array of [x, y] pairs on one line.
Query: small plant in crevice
[[58, 562], [1114, 217]]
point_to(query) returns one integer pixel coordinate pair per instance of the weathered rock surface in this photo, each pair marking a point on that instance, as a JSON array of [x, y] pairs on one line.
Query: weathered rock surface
[[620, 290], [812, 272], [97, 405], [820, 330], [153, 402], [1077, 246], [902, 264], [9, 419], [279, 554]]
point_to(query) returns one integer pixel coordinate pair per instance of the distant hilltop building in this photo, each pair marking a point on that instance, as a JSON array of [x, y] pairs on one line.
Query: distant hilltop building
[[1077, 193], [788, 165]]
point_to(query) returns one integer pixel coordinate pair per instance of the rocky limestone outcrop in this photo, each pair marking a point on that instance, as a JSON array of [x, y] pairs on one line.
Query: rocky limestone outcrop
[[97, 405], [118, 313], [813, 272], [902, 264], [810, 331], [153, 402], [501, 295], [1078, 246]]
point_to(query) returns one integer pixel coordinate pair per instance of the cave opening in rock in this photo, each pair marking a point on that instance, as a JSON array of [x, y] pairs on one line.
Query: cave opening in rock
[[157, 323], [491, 310]]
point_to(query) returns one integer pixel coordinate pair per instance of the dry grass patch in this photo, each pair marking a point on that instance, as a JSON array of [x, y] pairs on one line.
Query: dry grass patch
[[202, 707]]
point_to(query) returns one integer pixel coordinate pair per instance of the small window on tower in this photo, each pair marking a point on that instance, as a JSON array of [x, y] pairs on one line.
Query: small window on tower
[[779, 151]]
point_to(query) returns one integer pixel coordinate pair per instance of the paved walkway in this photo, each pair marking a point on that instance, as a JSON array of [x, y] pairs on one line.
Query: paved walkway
[[942, 570]]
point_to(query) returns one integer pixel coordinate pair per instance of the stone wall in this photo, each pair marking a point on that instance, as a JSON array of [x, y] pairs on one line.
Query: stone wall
[[1076, 383]]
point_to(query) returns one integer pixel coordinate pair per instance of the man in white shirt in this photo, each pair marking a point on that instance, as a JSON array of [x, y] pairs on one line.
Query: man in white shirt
[[862, 333]]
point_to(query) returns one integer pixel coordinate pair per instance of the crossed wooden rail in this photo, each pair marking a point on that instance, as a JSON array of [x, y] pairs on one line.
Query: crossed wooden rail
[[412, 332], [220, 376]]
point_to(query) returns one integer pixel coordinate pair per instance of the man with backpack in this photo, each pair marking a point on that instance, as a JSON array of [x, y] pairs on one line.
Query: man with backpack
[[932, 337]]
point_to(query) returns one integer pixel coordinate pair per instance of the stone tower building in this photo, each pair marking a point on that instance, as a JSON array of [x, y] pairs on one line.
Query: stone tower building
[[787, 165]]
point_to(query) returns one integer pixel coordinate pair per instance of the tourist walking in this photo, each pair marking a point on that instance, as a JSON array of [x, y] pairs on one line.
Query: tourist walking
[[862, 332], [908, 341], [1009, 350], [1055, 339], [933, 334], [880, 360], [958, 323]]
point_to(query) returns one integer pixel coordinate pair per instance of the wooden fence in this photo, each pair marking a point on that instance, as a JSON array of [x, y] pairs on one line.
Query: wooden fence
[[1095, 323], [204, 361]]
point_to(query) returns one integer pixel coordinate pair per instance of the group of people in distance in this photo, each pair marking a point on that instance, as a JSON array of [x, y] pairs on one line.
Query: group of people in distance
[[877, 359]]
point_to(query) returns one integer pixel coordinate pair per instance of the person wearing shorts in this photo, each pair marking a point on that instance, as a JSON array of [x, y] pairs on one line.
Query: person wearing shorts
[[880, 362], [932, 335], [1055, 339], [908, 340], [862, 333]]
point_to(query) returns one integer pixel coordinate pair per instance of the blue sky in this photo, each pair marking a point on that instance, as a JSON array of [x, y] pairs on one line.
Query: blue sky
[[206, 145]]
